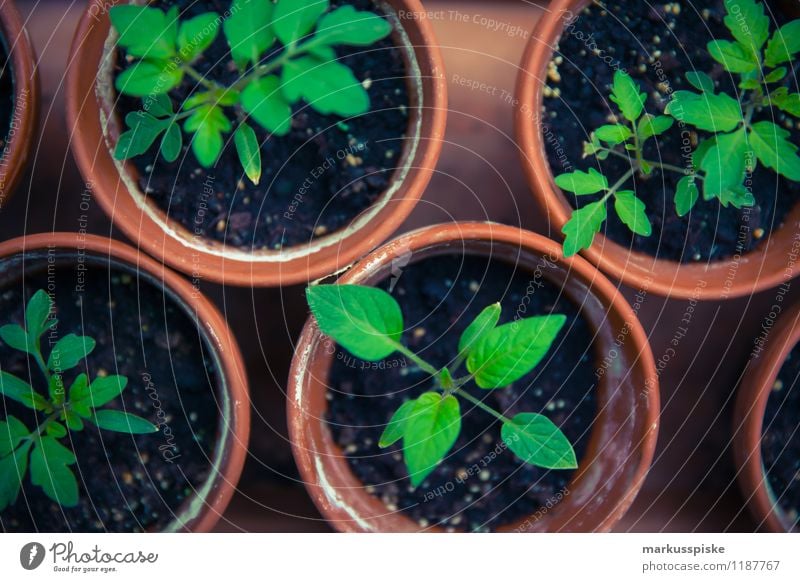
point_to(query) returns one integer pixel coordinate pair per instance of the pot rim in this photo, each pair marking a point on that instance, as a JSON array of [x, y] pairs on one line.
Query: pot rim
[[298, 264], [748, 420], [729, 278], [227, 467], [26, 90], [304, 444]]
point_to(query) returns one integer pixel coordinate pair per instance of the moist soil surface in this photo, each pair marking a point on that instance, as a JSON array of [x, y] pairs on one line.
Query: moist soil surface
[[780, 445], [657, 43], [327, 171], [481, 485], [6, 93], [126, 483]]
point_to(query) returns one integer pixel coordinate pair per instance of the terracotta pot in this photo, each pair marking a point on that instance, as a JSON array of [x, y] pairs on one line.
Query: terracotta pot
[[200, 512], [172, 243], [760, 269], [748, 421], [624, 434], [25, 112]]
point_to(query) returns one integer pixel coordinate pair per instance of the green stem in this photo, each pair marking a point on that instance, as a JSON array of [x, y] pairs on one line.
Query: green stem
[[208, 84], [479, 403], [659, 165], [422, 364]]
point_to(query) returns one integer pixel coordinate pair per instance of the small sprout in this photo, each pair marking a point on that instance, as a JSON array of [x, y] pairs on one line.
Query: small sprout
[[721, 162], [64, 409], [368, 323], [164, 49]]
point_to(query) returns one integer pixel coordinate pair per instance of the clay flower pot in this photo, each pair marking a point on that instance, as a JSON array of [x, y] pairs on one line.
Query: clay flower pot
[[624, 433], [25, 106], [202, 509], [757, 270], [95, 130], [748, 421]]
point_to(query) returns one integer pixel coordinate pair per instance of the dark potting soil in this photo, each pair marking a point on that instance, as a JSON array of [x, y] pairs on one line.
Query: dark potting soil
[[315, 180], [6, 93], [780, 444], [656, 43], [480, 485], [126, 483]]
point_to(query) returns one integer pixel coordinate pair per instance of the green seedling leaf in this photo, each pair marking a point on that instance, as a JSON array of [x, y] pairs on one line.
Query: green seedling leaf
[[508, 352], [143, 132], [12, 470], [582, 226], [776, 75], [396, 428], [707, 111], [56, 430], [158, 105], [627, 95], [785, 101], [773, 148], [22, 392], [537, 441], [725, 164], [686, 195], [149, 77], [736, 58], [73, 418], [348, 26], [68, 351], [701, 151], [613, 134], [101, 391], [651, 126], [50, 470], [748, 23], [248, 31], [328, 86], [366, 321], [196, 35], [480, 326], [118, 421], [171, 143], [700, 81], [432, 428], [208, 123], [632, 211], [56, 390], [15, 337], [265, 103], [37, 313], [12, 432], [582, 183], [144, 31], [249, 152], [783, 45], [294, 19]]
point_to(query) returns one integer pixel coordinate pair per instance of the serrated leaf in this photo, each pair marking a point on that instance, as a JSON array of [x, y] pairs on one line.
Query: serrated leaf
[[613, 134], [686, 195], [144, 31], [706, 111], [366, 321], [248, 30], [627, 95], [249, 152], [348, 26], [50, 471], [144, 130], [776, 75], [700, 81], [582, 183], [119, 421], [328, 86], [171, 143], [15, 389], [582, 226], [785, 101], [12, 471], [396, 428], [12, 433], [36, 313], [734, 57], [431, 430], [508, 352], [783, 45], [748, 23], [725, 164], [537, 441], [56, 430], [149, 78], [479, 327], [773, 148], [208, 123], [651, 126], [632, 212], [196, 34], [294, 19], [266, 104], [101, 391], [68, 351]]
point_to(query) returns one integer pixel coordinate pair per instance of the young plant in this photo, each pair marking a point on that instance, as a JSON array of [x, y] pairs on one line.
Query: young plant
[[284, 52], [721, 162], [369, 324], [64, 410]]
